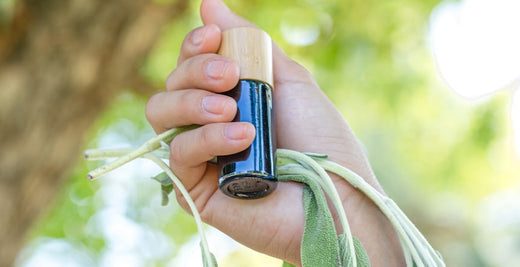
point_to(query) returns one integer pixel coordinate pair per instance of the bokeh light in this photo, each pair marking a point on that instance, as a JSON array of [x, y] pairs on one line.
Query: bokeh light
[[476, 44]]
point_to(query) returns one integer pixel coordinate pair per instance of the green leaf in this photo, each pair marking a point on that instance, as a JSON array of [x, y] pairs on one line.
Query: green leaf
[[286, 264], [163, 179], [361, 254], [345, 257], [166, 186], [165, 191], [320, 245], [208, 262]]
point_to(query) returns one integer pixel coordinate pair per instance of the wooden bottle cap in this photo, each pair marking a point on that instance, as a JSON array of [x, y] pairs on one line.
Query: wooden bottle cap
[[252, 49]]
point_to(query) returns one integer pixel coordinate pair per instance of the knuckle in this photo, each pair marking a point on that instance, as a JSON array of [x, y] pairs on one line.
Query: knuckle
[[176, 153], [150, 109], [169, 83], [206, 137], [189, 105], [183, 97]]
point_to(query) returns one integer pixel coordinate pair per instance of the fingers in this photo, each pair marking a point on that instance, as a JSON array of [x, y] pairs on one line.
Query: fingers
[[199, 67], [207, 71], [190, 151], [167, 110], [190, 97], [205, 39]]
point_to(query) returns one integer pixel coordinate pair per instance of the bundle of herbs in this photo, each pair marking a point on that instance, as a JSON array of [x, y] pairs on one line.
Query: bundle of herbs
[[321, 244]]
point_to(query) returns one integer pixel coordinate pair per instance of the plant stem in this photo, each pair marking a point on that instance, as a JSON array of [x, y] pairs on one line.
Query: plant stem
[[406, 232], [364, 187], [102, 154], [196, 215], [147, 147]]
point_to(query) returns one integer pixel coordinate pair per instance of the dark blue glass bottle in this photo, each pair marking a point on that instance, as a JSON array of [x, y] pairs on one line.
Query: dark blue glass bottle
[[251, 173]]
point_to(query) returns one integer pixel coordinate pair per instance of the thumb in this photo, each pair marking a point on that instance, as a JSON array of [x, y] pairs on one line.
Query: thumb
[[216, 12]]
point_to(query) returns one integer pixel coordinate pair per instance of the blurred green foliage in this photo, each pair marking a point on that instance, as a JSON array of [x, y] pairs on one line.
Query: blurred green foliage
[[437, 155]]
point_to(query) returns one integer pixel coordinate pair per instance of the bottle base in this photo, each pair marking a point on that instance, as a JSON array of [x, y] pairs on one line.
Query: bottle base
[[247, 185]]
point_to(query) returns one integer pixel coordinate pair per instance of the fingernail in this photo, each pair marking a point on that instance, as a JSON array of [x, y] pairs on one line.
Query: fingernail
[[216, 68], [197, 36], [214, 104], [236, 131]]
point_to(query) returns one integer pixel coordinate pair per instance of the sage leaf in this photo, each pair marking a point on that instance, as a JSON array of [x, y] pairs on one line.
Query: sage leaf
[[208, 262], [319, 245], [163, 178], [345, 257], [165, 191], [166, 187]]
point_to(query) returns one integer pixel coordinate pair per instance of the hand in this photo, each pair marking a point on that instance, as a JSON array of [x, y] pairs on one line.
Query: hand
[[305, 121]]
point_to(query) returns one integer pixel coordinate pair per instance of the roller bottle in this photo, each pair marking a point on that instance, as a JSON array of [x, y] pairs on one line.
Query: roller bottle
[[251, 173]]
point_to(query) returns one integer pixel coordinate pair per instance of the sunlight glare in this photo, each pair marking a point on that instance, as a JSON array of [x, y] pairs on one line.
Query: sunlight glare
[[476, 44], [303, 26]]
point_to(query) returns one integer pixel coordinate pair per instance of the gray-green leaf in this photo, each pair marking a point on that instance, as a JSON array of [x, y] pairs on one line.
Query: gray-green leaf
[[163, 179], [345, 257], [209, 262], [166, 186], [319, 245]]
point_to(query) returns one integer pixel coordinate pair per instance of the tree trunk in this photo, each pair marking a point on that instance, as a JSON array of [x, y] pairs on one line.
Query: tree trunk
[[61, 63]]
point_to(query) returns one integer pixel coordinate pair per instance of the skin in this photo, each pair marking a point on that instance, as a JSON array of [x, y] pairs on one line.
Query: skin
[[306, 120]]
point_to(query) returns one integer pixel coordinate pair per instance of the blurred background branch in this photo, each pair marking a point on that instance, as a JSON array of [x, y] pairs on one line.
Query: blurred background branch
[[61, 64]]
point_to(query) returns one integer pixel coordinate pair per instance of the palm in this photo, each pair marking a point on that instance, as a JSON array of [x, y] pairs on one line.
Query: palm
[[278, 218]]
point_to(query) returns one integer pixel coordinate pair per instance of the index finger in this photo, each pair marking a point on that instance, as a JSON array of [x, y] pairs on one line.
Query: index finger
[[202, 40]]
